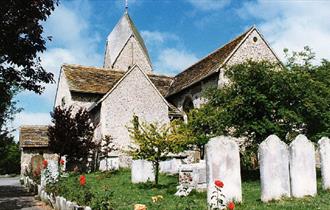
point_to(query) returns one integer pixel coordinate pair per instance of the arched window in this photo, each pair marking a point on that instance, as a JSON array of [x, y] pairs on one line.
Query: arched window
[[63, 102]]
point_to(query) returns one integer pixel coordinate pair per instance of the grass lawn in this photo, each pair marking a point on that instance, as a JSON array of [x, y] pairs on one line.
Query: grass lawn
[[125, 194]]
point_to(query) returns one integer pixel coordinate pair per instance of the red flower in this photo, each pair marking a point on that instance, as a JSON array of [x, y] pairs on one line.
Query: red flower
[[62, 162], [218, 183], [82, 180], [44, 163], [231, 206]]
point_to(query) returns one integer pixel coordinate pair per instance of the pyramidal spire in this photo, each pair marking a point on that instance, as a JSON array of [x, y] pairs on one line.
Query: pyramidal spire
[[125, 46], [126, 6]]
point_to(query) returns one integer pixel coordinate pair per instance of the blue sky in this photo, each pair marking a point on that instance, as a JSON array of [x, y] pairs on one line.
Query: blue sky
[[177, 33]]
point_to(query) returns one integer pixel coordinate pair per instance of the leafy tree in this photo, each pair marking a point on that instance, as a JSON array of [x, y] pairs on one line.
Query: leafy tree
[[10, 155], [71, 134], [21, 43], [263, 98], [154, 142]]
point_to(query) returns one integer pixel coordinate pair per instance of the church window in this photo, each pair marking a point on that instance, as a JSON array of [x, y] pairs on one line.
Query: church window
[[63, 102], [255, 39]]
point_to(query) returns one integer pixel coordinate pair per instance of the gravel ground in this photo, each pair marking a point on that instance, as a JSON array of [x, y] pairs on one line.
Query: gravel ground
[[13, 196]]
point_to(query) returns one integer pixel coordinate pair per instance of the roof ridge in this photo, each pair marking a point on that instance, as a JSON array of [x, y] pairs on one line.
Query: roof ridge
[[92, 67], [216, 50]]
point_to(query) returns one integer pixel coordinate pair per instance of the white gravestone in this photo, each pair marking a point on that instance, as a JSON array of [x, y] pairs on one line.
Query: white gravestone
[[170, 166], [142, 171], [324, 147], [109, 164], [274, 169], [302, 167], [193, 175], [223, 163]]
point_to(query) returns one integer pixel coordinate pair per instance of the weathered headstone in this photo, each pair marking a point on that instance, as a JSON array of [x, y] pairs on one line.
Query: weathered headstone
[[109, 164], [274, 169], [324, 148], [193, 175], [142, 171], [302, 167], [223, 163], [170, 166]]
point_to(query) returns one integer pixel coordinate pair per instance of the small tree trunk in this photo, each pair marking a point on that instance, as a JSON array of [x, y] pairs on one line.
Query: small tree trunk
[[156, 171]]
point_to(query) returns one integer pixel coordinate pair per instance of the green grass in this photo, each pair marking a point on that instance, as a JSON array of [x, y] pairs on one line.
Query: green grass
[[125, 194]]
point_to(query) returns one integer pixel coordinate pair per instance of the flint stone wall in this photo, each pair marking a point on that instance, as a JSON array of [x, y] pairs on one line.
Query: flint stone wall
[[274, 169], [142, 171], [302, 167], [223, 163], [324, 150]]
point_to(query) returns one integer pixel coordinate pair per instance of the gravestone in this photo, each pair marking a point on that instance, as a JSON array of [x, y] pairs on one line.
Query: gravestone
[[324, 148], [109, 164], [223, 163], [142, 171], [170, 166], [193, 175], [302, 167], [274, 169]]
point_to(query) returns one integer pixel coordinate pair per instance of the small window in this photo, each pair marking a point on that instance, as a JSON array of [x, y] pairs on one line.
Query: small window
[[63, 102], [255, 39]]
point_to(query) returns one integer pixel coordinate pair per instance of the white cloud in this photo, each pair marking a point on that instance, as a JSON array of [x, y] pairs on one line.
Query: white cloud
[[173, 61], [157, 37], [72, 42], [293, 24], [208, 5], [29, 118], [172, 57]]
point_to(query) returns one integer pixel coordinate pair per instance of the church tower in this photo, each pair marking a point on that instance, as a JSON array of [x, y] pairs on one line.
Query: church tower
[[125, 47]]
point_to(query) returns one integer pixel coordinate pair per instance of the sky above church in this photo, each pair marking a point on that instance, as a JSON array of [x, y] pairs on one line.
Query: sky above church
[[177, 33]]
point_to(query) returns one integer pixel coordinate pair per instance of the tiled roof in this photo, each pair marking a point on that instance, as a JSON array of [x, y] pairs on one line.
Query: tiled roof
[[33, 136], [205, 66], [100, 80]]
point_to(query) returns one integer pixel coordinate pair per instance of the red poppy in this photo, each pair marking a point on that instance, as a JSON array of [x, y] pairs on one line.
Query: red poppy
[[62, 162], [231, 206], [44, 163], [218, 183], [82, 180]]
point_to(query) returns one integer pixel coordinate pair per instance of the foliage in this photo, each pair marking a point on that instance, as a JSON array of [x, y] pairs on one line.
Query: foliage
[[71, 134], [265, 98], [125, 194], [10, 155], [21, 43], [154, 142]]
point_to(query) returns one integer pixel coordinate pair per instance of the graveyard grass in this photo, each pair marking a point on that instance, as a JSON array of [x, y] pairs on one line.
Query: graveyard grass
[[126, 194]]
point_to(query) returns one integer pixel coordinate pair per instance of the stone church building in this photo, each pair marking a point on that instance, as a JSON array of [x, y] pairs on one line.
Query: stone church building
[[127, 84]]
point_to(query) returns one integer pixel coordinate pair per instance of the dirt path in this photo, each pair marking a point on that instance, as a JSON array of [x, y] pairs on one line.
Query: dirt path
[[13, 196]]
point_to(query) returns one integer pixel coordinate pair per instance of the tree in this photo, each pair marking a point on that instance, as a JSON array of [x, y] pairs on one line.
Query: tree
[[9, 155], [155, 142], [263, 98], [71, 135], [21, 43]]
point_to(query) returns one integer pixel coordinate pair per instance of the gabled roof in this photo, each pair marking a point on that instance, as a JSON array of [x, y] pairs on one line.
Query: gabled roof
[[206, 66], [33, 136], [119, 36], [95, 80]]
